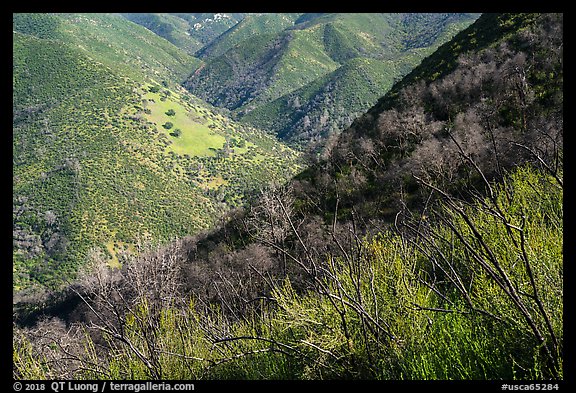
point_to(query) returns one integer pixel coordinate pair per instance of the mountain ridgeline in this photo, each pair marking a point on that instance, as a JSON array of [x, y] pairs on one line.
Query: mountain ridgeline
[[109, 148], [425, 242], [307, 77], [110, 151]]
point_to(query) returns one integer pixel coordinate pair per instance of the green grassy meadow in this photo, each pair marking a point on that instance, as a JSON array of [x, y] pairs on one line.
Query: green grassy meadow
[[197, 139], [94, 169]]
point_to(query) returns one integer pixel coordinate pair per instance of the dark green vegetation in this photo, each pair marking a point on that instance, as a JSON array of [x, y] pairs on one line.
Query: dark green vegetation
[[307, 76], [93, 168], [329, 103], [247, 28], [425, 243]]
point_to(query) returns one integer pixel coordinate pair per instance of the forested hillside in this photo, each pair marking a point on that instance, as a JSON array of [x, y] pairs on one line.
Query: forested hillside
[[250, 26], [109, 150], [425, 243], [301, 76], [307, 76]]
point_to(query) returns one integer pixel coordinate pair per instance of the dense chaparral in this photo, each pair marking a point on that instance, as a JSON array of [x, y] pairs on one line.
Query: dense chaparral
[[418, 236]]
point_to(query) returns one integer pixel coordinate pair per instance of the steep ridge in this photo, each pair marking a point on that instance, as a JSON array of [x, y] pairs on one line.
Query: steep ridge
[[261, 69], [109, 150], [425, 244], [490, 89], [328, 104], [252, 25], [499, 106], [421, 183], [303, 61], [81, 168]]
